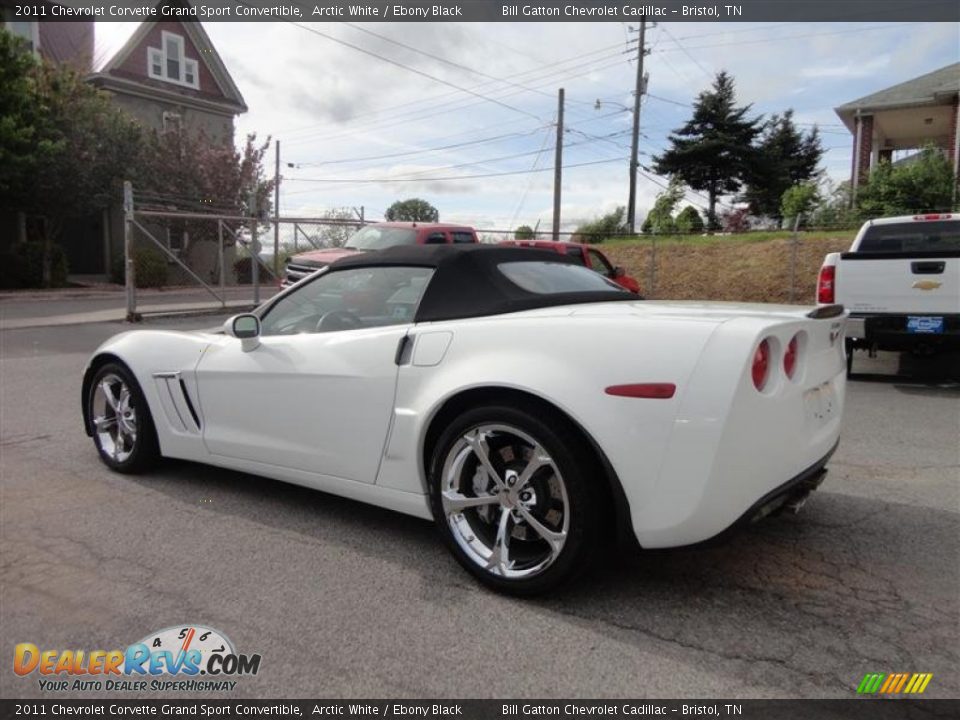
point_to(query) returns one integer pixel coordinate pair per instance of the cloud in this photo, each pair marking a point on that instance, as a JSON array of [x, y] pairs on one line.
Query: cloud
[[327, 102]]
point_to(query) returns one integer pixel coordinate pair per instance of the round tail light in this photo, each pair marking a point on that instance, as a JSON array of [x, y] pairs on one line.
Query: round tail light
[[761, 365], [790, 358]]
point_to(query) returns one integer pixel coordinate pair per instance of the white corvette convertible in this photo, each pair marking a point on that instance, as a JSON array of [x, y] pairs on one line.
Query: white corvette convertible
[[526, 404]]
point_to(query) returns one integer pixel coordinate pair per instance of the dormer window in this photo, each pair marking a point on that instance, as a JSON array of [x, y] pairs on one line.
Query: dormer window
[[170, 64]]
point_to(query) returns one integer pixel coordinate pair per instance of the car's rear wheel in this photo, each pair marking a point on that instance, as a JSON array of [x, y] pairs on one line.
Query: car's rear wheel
[[510, 492], [123, 429]]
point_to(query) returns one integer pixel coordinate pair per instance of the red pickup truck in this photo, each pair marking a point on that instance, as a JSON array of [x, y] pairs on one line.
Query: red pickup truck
[[586, 255], [377, 237]]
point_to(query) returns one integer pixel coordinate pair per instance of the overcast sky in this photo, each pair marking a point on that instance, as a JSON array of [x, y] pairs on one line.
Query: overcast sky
[[337, 111]]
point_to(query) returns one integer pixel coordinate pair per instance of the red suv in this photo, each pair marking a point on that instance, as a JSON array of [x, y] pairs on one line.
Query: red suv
[[586, 255], [377, 237]]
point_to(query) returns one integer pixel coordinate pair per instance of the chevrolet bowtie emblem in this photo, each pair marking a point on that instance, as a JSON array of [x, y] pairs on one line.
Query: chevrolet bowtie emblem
[[927, 284]]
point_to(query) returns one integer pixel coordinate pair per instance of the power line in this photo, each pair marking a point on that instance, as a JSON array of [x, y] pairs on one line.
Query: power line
[[885, 26], [414, 70], [451, 106], [416, 175], [533, 71], [421, 151], [462, 177], [686, 52]]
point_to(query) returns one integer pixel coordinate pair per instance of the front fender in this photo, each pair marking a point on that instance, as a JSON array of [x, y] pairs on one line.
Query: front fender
[[145, 353]]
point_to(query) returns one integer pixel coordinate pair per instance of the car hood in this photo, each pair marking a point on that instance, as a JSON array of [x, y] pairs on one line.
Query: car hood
[[319, 258]]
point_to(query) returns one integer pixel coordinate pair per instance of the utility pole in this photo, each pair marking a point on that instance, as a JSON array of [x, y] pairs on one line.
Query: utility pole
[[634, 149], [254, 245], [276, 213], [558, 168]]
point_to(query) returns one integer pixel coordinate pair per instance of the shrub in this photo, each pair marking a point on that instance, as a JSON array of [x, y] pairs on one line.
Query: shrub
[[524, 232], [736, 220], [605, 226], [689, 221], [21, 266], [150, 267]]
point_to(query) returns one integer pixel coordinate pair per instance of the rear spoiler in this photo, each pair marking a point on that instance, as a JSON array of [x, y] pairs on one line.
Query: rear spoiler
[[825, 311]]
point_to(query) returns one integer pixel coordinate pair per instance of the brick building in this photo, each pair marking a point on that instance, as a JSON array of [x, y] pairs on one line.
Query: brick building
[[905, 116]]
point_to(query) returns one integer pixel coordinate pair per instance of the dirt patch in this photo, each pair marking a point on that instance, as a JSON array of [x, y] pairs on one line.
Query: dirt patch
[[728, 269]]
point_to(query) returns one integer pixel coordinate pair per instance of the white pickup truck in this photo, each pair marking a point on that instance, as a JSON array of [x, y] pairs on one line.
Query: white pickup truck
[[900, 281]]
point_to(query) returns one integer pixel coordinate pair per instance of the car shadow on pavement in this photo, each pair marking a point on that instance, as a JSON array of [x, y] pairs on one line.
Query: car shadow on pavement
[[810, 599], [940, 370]]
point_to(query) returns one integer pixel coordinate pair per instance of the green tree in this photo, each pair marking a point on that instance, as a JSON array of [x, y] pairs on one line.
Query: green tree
[[524, 232], [69, 146], [922, 184], [660, 218], [785, 157], [412, 210], [603, 227], [689, 221], [799, 200], [713, 152]]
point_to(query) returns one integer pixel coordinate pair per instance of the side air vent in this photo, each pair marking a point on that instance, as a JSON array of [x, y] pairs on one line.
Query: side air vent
[[176, 402]]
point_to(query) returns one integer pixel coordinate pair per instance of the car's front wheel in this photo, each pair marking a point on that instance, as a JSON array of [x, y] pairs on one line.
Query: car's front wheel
[[123, 429], [511, 494]]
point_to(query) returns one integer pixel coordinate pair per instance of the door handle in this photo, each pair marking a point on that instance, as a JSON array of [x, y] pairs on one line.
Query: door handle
[[404, 350], [928, 268]]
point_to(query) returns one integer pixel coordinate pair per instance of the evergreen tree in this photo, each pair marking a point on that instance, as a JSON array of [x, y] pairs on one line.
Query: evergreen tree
[[785, 157], [713, 152]]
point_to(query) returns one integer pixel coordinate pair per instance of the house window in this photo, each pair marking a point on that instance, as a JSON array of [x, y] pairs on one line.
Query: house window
[[169, 63], [172, 122], [29, 31], [156, 62]]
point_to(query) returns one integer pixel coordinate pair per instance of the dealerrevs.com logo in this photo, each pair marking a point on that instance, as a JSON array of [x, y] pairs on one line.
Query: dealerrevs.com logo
[[194, 656]]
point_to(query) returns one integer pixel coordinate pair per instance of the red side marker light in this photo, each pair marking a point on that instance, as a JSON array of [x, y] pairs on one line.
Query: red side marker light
[[653, 391]]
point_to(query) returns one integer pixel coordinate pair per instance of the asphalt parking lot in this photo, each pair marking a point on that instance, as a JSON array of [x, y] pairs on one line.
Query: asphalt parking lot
[[346, 600]]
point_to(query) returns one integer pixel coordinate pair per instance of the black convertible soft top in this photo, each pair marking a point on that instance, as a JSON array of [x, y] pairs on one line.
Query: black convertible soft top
[[467, 281]]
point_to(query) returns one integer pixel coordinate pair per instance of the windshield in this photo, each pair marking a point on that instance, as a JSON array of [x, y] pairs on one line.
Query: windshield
[[377, 238], [918, 236]]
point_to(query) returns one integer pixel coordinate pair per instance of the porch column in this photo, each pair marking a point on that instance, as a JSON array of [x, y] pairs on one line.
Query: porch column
[[862, 151]]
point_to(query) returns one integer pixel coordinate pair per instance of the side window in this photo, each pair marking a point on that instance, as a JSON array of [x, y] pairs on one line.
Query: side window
[[600, 263], [576, 254], [462, 237], [349, 299], [437, 238]]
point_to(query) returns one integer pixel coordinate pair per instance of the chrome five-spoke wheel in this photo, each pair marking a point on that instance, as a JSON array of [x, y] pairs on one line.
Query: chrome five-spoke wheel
[[120, 421], [114, 418], [505, 501], [517, 494]]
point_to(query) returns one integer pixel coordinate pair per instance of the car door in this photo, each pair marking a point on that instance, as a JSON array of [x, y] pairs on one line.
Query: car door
[[317, 393]]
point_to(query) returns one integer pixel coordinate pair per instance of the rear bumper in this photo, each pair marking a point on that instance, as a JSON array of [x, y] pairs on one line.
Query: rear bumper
[[888, 331], [791, 493]]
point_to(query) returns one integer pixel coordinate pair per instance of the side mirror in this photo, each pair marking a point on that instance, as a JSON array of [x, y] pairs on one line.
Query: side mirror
[[246, 328], [619, 272]]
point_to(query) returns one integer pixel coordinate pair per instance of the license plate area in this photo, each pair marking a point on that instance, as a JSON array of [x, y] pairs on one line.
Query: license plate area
[[924, 324], [820, 403]]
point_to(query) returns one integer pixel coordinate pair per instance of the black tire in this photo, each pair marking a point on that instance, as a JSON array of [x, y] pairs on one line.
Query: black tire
[[848, 348], [571, 466], [117, 450]]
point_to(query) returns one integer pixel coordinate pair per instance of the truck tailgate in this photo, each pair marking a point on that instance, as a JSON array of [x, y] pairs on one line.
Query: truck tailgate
[[925, 283]]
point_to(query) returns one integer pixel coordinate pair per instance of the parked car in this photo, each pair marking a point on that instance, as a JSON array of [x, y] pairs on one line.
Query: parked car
[[586, 255], [526, 404], [900, 281], [377, 237]]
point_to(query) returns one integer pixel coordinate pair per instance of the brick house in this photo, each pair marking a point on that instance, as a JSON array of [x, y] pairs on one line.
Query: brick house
[[905, 116], [170, 78], [59, 42]]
